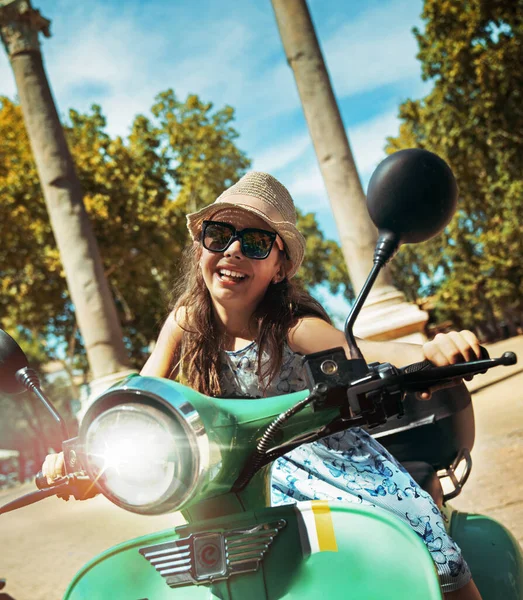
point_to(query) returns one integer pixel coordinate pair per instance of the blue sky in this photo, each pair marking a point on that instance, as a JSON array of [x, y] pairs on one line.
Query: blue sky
[[121, 54]]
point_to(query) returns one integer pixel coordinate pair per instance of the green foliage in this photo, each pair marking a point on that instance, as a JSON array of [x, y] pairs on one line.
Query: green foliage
[[472, 51], [137, 192], [323, 262]]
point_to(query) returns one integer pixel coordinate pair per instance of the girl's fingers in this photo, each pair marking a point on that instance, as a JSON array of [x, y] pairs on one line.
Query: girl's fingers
[[427, 394], [473, 342], [53, 467], [464, 349], [441, 351], [48, 468], [452, 348], [449, 349], [59, 465]]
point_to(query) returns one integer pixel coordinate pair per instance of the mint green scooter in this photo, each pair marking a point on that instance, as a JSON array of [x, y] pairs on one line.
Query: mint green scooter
[[153, 446]]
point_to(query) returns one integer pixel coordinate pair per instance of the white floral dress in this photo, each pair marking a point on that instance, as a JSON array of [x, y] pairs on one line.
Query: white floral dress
[[349, 466]]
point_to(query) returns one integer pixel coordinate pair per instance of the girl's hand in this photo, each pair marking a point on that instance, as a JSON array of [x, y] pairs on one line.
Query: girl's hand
[[53, 467], [450, 349]]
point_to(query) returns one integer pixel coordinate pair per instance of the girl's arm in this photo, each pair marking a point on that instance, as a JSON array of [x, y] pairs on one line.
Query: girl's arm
[[162, 359], [312, 334]]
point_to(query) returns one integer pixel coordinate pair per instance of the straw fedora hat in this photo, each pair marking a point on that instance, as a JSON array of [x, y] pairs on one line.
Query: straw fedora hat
[[264, 196]]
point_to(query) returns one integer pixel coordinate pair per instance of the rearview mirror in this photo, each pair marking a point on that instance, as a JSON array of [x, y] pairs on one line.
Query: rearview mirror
[[412, 194]]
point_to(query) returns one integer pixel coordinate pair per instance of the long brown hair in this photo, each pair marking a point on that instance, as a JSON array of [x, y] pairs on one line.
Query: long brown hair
[[198, 359]]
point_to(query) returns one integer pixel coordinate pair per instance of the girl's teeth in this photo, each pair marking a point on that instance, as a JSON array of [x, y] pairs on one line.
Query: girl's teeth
[[232, 274]]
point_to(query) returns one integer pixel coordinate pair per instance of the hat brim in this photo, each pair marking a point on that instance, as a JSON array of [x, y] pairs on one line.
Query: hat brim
[[292, 238]]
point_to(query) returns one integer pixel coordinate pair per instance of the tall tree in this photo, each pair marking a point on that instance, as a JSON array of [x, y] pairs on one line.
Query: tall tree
[[338, 169], [473, 53], [94, 307], [387, 315]]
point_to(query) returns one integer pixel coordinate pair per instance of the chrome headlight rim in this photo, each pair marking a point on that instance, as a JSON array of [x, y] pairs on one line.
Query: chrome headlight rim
[[203, 457]]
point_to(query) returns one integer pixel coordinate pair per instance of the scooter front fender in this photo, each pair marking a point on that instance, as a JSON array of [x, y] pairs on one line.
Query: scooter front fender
[[321, 550]]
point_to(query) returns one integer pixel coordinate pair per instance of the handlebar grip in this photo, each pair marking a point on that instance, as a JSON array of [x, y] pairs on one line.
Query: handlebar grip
[[416, 367], [426, 364]]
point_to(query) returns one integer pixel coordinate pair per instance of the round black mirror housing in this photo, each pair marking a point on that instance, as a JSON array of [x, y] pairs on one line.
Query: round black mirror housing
[[12, 359], [412, 194]]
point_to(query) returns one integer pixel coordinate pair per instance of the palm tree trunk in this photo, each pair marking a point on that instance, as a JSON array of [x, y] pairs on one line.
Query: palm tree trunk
[[357, 232], [386, 314], [94, 306]]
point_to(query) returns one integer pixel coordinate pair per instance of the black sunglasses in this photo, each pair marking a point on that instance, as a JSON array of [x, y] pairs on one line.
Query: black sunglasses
[[255, 243]]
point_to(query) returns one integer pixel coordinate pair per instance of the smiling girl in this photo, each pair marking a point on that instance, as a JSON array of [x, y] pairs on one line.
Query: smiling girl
[[240, 327]]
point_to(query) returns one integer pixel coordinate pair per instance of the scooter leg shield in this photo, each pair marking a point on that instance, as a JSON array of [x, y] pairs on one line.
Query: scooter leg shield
[[323, 550], [493, 554]]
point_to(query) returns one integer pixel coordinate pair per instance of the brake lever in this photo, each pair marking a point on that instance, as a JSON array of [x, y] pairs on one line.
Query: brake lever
[[417, 377], [33, 497], [78, 485], [420, 376], [427, 364]]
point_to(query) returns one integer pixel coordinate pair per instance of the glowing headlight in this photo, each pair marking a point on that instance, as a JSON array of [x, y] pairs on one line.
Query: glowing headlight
[[141, 457]]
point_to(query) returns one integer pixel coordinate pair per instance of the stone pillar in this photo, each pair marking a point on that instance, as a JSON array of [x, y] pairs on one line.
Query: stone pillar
[[386, 314]]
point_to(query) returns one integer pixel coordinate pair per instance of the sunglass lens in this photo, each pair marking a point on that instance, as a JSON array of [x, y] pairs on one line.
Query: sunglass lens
[[217, 236], [256, 244]]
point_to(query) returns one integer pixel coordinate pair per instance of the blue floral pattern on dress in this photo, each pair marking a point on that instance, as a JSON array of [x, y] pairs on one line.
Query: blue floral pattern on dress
[[349, 466], [239, 373]]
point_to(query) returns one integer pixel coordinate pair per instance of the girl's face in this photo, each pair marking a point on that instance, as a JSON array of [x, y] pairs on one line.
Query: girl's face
[[233, 279]]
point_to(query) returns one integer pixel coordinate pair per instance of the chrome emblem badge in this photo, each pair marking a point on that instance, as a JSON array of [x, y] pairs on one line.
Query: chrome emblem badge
[[210, 556]]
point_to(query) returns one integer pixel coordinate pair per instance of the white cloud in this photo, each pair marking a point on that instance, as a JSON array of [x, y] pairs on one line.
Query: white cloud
[[277, 158], [95, 58], [307, 184], [368, 140], [373, 50], [7, 80], [122, 64]]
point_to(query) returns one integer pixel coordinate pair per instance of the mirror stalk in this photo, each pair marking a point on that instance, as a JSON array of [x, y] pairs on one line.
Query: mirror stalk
[[29, 379], [386, 247]]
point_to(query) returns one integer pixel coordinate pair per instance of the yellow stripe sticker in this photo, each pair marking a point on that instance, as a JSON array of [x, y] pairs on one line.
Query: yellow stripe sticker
[[324, 526]]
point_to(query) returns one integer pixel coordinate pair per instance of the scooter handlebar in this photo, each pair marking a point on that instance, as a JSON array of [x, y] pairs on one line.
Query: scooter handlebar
[[35, 496], [426, 364], [422, 375]]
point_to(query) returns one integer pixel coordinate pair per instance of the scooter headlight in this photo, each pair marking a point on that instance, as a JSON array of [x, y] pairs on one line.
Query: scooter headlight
[[144, 455]]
